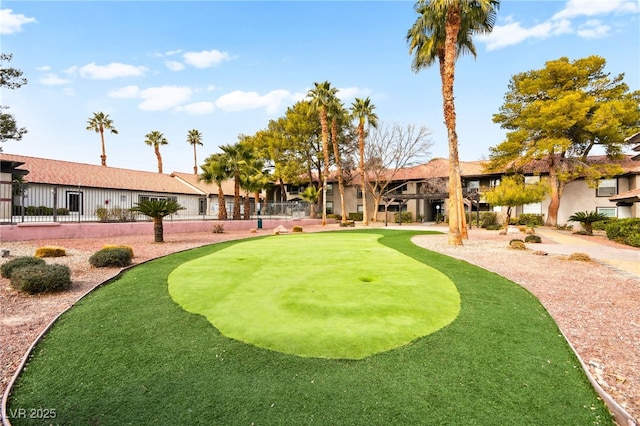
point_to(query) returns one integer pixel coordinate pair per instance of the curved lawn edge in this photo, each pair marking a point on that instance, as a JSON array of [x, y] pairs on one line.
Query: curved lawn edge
[[618, 411]]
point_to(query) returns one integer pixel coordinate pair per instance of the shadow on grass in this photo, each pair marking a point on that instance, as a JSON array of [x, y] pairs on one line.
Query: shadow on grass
[[128, 354]]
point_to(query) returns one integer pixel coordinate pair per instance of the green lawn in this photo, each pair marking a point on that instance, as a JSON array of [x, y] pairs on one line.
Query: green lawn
[[129, 354]]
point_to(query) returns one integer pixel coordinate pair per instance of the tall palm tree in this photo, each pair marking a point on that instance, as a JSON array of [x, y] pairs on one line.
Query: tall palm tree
[[362, 110], [99, 123], [157, 210], [338, 115], [236, 156], [443, 30], [214, 170], [194, 138], [252, 180], [155, 139], [320, 98]]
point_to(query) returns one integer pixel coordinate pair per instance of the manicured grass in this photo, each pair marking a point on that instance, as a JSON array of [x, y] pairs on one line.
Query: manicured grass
[[327, 295], [128, 354]]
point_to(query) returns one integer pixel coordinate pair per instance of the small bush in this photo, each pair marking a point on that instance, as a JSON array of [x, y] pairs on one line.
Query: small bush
[[517, 244], [50, 251], [348, 223], [565, 227], [581, 257], [625, 231], [218, 228], [493, 227], [127, 248], [532, 239], [41, 278], [405, 217], [333, 216], [356, 216], [488, 219], [530, 219], [6, 269], [110, 257], [296, 229]]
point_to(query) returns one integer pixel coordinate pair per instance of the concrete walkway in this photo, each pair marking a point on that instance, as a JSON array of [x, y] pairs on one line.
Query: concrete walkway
[[626, 261]]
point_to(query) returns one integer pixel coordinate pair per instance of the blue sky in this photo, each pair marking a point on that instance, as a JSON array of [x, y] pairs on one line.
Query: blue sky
[[227, 68]]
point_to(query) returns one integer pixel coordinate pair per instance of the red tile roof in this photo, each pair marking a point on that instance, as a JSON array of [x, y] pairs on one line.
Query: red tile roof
[[46, 171], [212, 188]]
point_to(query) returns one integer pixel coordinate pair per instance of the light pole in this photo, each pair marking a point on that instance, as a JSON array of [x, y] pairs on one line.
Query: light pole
[[437, 213]]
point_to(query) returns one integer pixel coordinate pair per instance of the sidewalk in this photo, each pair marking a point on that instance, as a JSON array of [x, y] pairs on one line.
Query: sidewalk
[[626, 261]]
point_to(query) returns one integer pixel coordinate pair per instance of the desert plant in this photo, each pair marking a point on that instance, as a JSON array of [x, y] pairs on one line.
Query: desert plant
[[349, 223], [517, 244], [157, 210], [581, 257], [488, 219], [403, 217], [532, 239], [355, 216], [493, 227], [111, 257], [218, 228], [296, 229], [587, 219], [50, 251], [531, 219], [6, 269], [41, 278], [112, 246]]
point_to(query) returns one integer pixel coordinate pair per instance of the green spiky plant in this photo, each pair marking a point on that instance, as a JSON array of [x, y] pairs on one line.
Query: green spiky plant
[[587, 219], [157, 210]]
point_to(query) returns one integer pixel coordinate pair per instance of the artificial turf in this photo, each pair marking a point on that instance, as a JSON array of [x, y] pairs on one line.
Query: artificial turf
[[346, 296], [128, 354]]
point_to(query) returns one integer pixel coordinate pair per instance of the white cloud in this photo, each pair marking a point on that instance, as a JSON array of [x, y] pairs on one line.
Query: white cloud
[[513, 32], [350, 93], [51, 79], [12, 22], [163, 98], [206, 58], [109, 71], [211, 88], [272, 102], [576, 8], [174, 65], [44, 68], [127, 92], [198, 108], [593, 28], [172, 52]]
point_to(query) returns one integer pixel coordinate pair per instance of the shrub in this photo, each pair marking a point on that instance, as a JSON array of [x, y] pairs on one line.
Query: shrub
[[517, 245], [296, 229], [493, 227], [110, 257], [348, 223], [41, 278], [218, 228], [530, 219], [6, 269], [586, 219], [405, 217], [488, 219], [532, 239], [625, 231], [127, 248], [565, 227], [333, 216], [356, 216], [581, 257], [50, 251]]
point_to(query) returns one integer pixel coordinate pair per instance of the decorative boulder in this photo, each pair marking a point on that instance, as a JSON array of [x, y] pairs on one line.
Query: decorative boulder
[[513, 230], [279, 230]]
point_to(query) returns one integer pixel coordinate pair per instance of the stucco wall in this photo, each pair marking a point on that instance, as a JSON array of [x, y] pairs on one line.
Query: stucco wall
[[55, 230]]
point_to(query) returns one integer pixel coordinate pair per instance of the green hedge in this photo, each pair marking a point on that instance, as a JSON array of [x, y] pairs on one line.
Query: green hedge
[[407, 217], [625, 231], [355, 216], [110, 257], [6, 269]]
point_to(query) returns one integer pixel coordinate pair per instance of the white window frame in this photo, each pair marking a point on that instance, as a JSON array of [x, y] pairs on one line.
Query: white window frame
[[607, 211], [607, 188]]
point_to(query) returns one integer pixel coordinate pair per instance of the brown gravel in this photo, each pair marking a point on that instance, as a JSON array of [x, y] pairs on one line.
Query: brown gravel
[[597, 309]]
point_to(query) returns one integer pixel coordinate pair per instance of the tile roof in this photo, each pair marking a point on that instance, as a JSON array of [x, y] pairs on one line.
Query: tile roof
[[47, 171], [632, 195]]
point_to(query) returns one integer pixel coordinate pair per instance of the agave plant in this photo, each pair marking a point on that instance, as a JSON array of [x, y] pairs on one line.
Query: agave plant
[[587, 219]]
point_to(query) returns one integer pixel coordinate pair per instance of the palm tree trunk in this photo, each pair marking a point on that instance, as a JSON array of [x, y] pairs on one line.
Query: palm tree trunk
[[103, 157], [158, 230], [336, 153], [325, 168], [195, 161], [222, 206], [156, 148], [236, 198], [453, 20], [365, 213], [247, 207]]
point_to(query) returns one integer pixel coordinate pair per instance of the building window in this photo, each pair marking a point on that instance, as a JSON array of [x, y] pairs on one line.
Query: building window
[[608, 211], [533, 208], [494, 182], [329, 207], [142, 198], [359, 192], [329, 189], [473, 184], [400, 189], [607, 188], [359, 208], [293, 189]]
